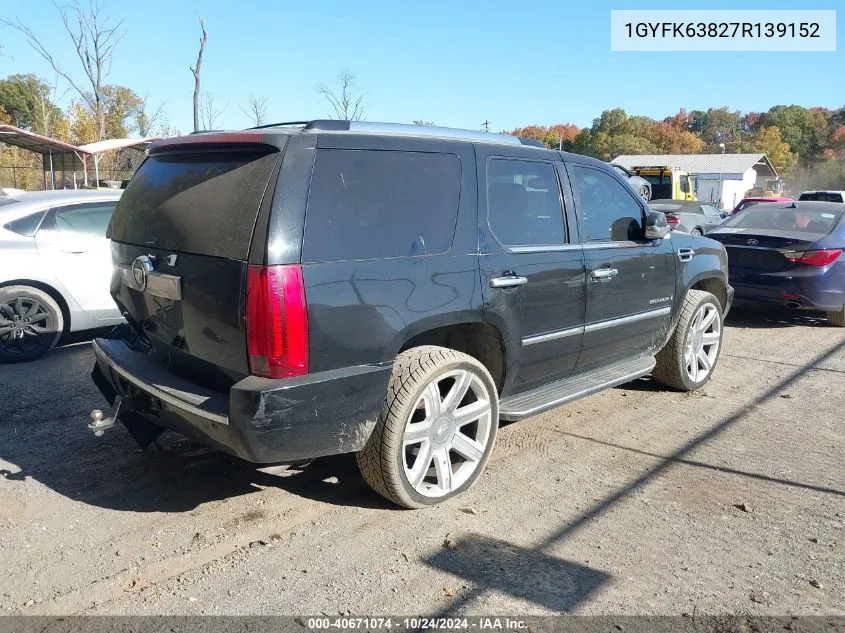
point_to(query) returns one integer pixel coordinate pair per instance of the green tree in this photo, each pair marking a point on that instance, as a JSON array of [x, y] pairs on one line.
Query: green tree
[[27, 100], [768, 141], [803, 129], [611, 122]]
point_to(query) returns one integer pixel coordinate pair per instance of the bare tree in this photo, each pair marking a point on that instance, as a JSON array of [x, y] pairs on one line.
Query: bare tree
[[256, 109], [347, 101], [149, 120], [196, 72], [94, 38], [210, 111]]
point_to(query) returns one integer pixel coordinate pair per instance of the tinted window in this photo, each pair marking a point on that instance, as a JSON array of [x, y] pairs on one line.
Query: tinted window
[[523, 203], [26, 225], [607, 209], [367, 204], [822, 196], [91, 219], [195, 202], [779, 219]]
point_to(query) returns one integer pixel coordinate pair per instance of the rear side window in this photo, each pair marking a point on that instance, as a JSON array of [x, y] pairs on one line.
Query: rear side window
[[204, 203], [90, 219], [523, 203], [607, 209], [27, 225], [822, 196], [366, 204]]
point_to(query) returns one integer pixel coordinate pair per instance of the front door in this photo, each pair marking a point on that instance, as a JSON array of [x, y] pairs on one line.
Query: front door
[[532, 272], [630, 280], [73, 239]]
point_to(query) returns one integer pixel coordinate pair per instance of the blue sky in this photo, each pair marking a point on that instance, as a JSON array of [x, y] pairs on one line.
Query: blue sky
[[456, 62]]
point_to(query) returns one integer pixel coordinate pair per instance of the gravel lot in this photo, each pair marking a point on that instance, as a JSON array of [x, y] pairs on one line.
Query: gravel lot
[[634, 501]]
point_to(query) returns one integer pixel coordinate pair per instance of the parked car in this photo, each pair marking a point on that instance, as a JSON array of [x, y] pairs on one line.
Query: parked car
[[637, 183], [393, 291], [689, 216], [789, 254], [750, 202], [55, 268], [823, 196]]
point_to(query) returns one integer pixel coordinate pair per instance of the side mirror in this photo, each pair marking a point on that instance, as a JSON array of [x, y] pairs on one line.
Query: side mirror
[[656, 227]]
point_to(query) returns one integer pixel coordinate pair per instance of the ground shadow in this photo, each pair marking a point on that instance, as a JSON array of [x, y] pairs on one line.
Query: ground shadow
[[764, 317], [551, 582]]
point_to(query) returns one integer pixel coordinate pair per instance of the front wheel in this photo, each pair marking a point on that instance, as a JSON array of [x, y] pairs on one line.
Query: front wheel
[[436, 430], [689, 358]]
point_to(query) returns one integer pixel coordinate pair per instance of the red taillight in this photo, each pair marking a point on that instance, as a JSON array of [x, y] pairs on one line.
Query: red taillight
[[814, 258], [673, 220], [276, 321]]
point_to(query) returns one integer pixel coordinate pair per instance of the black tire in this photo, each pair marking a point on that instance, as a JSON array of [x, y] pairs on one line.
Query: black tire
[[19, 340], [645, 192], [696, 231], [673, 366], [837, 318], [383, 460]]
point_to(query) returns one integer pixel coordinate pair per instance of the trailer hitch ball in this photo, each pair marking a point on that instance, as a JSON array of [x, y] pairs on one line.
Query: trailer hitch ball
[[99, 423]]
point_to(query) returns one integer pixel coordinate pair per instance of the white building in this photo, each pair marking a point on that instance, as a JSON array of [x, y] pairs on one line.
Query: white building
[[721, 179]]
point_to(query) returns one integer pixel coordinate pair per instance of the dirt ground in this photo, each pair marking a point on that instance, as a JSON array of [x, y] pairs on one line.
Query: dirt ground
[[633, 501]]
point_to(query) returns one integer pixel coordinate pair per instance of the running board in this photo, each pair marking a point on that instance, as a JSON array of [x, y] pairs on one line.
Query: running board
[[554, 394]]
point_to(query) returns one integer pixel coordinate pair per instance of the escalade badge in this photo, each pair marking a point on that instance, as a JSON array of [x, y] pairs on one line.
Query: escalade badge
[[140, 267], [752, 242]]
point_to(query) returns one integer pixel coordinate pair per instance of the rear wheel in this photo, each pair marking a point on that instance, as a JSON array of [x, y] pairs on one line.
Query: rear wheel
[[436, 430], [31, 323], [696, 231], [690, 356], [837, 318], [645, 192]]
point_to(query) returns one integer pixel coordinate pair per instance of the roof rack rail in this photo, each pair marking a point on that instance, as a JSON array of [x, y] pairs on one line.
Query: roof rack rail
[[405, 129]]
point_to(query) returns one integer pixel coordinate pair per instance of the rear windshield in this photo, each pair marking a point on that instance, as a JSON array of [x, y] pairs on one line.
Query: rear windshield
[[822, 196], [204, 202], [804, 220]]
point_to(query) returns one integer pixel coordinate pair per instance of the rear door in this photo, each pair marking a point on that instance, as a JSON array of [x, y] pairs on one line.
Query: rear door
[[532, 272], [72, 240], [181, 241], [630, 280]]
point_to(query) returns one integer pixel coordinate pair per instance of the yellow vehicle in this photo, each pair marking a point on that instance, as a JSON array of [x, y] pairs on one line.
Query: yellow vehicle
[[667, 183], [774, 188]]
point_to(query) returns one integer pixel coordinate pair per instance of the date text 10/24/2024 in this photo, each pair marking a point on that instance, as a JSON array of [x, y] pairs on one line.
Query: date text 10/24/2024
[[416, 624]]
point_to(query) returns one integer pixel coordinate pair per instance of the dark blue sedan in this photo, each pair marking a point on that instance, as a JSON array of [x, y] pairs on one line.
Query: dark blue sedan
[[788, 253]]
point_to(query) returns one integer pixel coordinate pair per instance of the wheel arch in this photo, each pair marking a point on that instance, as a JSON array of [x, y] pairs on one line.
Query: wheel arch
[[478, 338], [50, 290]]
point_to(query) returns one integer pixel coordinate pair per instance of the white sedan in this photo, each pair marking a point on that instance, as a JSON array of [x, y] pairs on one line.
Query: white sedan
[[55, 268]]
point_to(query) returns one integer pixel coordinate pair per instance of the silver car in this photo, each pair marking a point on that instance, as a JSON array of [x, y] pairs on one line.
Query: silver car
[[637, 183], [55, 268], [690, 216]]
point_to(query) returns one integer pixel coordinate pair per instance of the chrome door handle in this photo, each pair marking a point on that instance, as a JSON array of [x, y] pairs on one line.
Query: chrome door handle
[[508, 281], [604, 273]]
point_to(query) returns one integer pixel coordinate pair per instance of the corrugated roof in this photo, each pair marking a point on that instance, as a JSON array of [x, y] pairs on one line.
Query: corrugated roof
[[112, 144], [702, 163]]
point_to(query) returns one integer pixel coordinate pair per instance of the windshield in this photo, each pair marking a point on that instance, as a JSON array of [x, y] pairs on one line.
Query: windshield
[[779, 219]]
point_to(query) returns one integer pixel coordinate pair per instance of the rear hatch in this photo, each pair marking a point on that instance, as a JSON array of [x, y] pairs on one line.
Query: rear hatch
[[181, 242]]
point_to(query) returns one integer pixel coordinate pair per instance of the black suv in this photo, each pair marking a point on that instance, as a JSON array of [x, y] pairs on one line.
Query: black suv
[[304, 290]]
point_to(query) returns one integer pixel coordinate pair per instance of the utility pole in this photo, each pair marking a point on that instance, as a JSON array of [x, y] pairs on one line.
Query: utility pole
[[486, 126]]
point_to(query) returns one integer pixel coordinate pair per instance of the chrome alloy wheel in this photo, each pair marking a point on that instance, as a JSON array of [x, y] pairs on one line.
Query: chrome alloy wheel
[[447, 433], [702, 345], [25, 325]]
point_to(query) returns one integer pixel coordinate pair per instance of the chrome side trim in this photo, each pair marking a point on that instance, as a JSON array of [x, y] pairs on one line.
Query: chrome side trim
[[600, 246], [632, 318], [551, 248], [551, 336], [158, 392]]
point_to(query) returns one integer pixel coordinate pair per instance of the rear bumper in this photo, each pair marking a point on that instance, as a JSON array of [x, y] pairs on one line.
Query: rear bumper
[[260, 420], [805, 289]]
